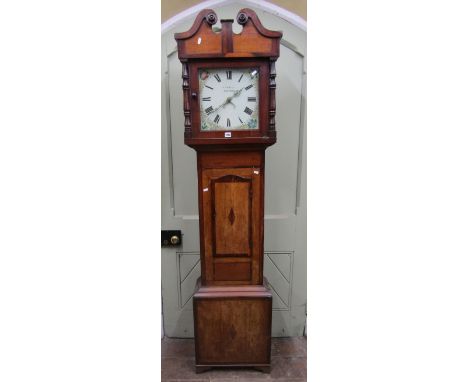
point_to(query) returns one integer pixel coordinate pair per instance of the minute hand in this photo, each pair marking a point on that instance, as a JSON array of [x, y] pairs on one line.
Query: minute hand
[[228, 99], [224, 103], [237, 93]]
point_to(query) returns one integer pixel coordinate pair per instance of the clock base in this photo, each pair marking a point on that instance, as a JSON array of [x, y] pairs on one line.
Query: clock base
[[263, 369], [232, 326]]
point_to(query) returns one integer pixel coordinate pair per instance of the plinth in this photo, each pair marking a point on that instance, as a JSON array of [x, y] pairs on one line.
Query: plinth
[[232, 326]]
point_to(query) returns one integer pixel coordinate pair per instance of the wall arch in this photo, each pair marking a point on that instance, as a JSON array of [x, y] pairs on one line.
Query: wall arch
[[274, 9], [285, 206]]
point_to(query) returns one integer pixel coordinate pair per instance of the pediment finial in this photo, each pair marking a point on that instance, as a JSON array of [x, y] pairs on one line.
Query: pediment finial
[[201, 41]]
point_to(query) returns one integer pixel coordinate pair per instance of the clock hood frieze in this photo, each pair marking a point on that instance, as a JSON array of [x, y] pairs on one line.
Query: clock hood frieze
[[200, 41]]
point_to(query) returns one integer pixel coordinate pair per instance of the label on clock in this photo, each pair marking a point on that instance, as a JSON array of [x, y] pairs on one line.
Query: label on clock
[[227, 134]]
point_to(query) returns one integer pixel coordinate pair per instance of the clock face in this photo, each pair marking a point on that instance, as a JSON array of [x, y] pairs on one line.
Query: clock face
[[228, 98]]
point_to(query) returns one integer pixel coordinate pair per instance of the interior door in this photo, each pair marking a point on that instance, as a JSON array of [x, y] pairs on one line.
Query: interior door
[[285, 186]]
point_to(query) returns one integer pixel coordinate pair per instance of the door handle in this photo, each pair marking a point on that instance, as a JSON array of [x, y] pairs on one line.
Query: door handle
[[171, 238]]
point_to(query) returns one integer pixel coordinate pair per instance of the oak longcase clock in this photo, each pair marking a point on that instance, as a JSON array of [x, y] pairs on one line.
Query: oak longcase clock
[[229, 108]]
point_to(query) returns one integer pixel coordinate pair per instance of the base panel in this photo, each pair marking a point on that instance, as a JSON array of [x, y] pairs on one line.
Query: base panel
[[233, 327]]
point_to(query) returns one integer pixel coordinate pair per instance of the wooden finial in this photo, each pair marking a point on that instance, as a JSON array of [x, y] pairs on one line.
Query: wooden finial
[[201, 41]]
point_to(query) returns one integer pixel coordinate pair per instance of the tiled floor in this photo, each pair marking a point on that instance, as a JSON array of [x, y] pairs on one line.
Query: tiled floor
[[288, 363]]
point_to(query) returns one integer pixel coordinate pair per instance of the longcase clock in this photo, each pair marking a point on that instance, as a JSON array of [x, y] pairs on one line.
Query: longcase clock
[[229, 108]]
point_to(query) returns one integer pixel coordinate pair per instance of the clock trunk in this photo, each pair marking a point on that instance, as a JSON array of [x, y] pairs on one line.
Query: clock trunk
[[230, 187]]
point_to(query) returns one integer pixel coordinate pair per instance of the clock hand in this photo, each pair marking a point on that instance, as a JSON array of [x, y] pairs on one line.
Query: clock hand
[[234, 95], [220, 106], [237, 93], [228, 99]]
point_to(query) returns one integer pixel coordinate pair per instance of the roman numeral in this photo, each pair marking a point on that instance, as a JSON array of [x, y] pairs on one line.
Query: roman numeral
[[216, 118], [252, 99], [207, 99], [248, 87], [248, 111], [241, 121], [228, 122], [240, 78], [229, 75], [209, 110], [217, 77], [209, 87]]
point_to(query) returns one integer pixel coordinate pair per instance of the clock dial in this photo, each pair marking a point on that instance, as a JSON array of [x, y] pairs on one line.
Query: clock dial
[[228, 98]]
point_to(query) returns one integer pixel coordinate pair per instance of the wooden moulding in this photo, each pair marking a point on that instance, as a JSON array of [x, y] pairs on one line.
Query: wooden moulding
[[272, 109], [186, 91], [232, 326], [200, 41]]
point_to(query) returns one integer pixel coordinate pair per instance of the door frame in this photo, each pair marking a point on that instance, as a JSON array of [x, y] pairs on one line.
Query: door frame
[[169, 212]]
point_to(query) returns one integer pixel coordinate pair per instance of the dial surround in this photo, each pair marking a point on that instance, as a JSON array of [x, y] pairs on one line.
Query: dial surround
[[229, 98]]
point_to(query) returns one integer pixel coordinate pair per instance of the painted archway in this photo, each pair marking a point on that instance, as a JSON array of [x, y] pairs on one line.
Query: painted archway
[[285, 186]]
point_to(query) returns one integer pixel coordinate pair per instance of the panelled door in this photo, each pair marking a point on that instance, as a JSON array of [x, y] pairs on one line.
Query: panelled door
[[285, 205], [231, 200]]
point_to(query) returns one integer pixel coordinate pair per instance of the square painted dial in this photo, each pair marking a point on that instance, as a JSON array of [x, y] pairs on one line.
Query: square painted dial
[[228, 98]]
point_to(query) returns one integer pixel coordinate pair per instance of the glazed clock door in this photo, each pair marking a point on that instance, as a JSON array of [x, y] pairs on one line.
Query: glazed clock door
[[285, 220], [228, 98]]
